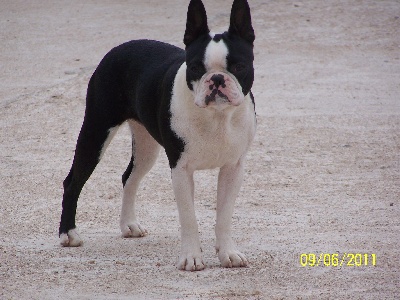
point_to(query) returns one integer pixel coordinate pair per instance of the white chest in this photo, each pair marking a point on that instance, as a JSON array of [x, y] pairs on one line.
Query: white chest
[[212, 137]]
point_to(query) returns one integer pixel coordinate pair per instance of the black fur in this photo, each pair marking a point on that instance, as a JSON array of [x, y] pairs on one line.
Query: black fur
[[137, 68]]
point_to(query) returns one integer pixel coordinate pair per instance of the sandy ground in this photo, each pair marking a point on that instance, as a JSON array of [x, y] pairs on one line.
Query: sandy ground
[[323, 175]]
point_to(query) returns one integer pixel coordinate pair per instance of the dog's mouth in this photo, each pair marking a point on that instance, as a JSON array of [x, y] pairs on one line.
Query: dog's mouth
[[217, 97]]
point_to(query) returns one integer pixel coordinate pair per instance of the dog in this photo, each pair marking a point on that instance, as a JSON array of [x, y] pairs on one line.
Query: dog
[[195, 103]]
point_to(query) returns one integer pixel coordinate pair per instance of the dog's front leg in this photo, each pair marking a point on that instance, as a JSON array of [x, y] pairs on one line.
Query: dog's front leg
[[229, 182], [183, 184]]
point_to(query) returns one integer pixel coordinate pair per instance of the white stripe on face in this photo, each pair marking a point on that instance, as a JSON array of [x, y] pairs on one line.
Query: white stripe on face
[[215, 56]]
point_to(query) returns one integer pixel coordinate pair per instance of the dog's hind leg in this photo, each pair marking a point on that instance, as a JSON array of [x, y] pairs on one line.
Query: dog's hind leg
[[92, 142], [103, 116], [144, 154]]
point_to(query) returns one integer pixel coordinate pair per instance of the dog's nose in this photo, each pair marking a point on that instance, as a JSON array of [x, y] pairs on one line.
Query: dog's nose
[[218, 80]]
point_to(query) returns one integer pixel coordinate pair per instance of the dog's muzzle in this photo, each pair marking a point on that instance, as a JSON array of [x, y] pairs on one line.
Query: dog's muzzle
[[218, 89], [217, 85]]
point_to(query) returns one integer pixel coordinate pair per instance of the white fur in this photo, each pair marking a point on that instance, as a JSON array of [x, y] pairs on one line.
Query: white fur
[[214, 138], [111, 133], [71, 239], [145, 151]]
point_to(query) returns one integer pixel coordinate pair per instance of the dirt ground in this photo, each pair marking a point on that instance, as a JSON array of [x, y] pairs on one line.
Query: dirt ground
[[323, 175]]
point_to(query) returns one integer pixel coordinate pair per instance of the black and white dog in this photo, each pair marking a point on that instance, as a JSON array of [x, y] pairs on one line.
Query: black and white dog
[[197, 104]]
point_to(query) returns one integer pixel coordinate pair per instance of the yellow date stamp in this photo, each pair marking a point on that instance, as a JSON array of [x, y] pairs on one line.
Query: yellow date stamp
[[337, 260]]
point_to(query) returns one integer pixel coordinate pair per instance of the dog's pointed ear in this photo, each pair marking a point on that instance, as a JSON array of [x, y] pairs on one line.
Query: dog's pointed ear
[[196, 23], [241, 21]]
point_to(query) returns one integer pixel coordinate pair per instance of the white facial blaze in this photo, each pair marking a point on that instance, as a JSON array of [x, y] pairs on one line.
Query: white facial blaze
[[215, 56]]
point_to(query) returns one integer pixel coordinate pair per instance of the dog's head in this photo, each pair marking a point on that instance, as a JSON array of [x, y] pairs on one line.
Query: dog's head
[[219, 66]]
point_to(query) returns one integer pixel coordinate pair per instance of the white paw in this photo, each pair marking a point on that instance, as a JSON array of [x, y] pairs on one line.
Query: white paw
[[71, 239], [191, 262], [133, 229], [232, 258]]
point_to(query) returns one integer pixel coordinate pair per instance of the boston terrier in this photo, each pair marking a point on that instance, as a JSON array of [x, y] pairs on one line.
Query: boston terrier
[[196, 103]]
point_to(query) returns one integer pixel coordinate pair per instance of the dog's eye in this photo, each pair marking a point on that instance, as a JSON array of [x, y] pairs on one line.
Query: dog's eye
[[197, 69], [238, 68]]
